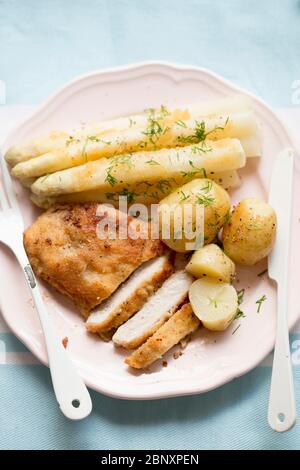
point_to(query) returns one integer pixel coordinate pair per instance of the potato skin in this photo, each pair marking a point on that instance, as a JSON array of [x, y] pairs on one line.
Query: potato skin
[[215, 201], [211, 261], [250, 233]]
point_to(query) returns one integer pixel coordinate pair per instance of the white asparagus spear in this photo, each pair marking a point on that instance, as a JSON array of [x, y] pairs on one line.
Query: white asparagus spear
[[181, 164], [152, 137], [51, 142], [141, 194]]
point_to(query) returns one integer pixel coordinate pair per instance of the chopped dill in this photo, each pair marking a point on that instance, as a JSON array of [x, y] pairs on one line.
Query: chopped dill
[[195, 171], [227, 217], [239, 314], [83, 152], [163, 111], [181, 123], [69, 140], [114, 161], [111, 196], [200, 149], [124, 159], [259, 302], [131, 122], [129, 194], [163, 185], [45, 177], [236, 329], [213, 302], [262, 272], [152, 162], [110, 178], [207, 187], [205, 200], [240, 294], [184, 196], [94, 138]]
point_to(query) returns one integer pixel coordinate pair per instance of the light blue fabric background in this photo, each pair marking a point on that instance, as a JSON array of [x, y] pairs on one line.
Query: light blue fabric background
[[256, 44]]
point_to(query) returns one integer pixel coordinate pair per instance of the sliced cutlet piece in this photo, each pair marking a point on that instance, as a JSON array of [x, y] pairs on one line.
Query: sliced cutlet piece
[[65, 249], [170, 333], [130, 296], [155, 311]]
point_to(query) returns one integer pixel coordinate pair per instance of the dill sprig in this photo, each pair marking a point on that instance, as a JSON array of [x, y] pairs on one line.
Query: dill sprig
[[155, 127], [200, 134]]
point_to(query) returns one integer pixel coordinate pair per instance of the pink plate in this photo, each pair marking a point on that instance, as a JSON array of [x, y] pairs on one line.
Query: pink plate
[[210, 359]]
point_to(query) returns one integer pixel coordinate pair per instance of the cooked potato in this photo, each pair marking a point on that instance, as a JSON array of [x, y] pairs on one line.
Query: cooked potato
[[205, 193], [250, 233], [211, 261], [215, 303]]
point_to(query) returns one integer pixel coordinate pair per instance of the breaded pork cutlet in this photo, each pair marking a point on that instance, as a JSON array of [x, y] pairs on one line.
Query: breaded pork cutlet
[[170, 333], [156, 311], [64, 249], [130, 296]]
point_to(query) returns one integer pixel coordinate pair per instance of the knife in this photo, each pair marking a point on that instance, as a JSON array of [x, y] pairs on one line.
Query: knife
[[282, 408]]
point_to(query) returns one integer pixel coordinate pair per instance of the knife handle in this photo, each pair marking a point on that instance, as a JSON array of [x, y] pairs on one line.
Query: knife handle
[[282, 407]]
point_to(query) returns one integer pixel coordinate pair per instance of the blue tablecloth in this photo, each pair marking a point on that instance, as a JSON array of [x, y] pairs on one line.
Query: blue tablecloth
[[255, 44]]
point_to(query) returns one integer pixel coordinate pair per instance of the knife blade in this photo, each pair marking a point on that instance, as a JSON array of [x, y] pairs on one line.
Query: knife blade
[[282, 408]]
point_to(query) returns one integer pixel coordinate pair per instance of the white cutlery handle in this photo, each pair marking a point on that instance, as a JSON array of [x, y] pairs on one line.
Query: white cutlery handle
[[70, 391], [282, 407]]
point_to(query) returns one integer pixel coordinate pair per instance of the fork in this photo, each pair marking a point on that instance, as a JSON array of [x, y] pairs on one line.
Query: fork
[[70, 391]]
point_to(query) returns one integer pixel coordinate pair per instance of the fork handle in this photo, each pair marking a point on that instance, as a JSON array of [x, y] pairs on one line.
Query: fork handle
[[70, 391]]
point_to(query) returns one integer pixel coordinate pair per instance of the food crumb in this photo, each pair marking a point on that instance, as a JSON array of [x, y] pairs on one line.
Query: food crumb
[[65, 341], [177, 354], [185, 341], [164, 363]]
